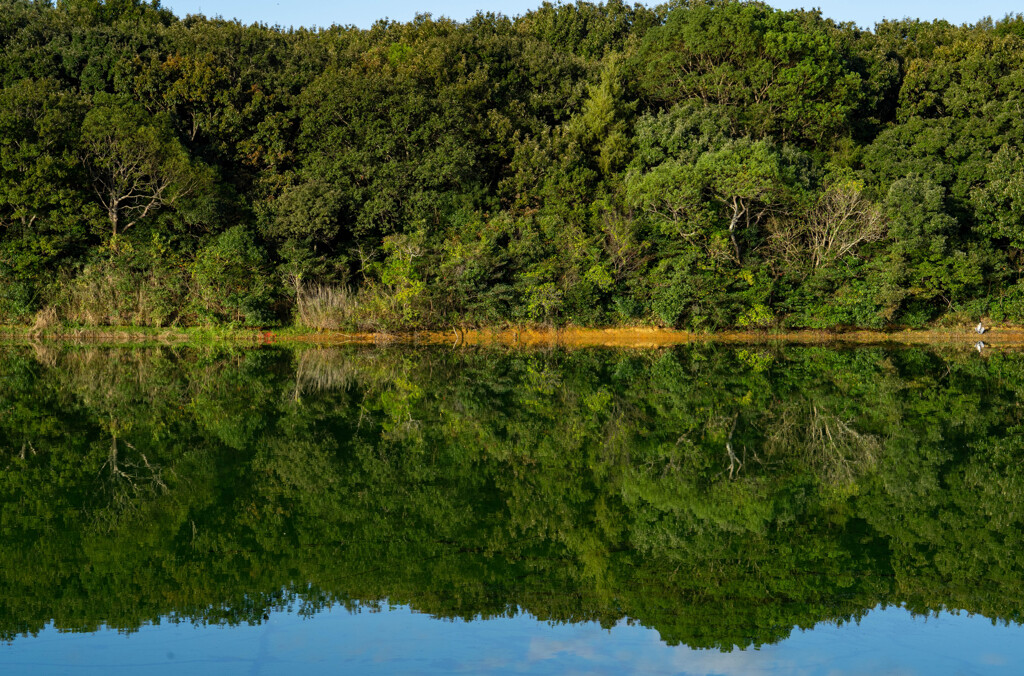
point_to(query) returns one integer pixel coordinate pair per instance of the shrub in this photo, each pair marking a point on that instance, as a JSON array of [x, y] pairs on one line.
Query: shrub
[[232, 282], [131, 286], [17, 301]]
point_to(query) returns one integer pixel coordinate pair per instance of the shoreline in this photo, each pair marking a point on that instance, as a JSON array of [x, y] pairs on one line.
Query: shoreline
[[526, 337]]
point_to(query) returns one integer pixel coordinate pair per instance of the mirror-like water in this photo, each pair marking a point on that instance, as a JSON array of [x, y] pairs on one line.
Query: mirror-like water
[[401, 641], [697, 500]]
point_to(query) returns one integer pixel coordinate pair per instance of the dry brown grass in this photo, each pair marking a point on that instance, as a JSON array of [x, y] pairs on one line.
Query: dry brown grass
[[100, 299], [45, 319], [326, 308]]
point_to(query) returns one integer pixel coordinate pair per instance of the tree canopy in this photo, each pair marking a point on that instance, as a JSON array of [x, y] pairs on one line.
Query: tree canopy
[[703, 164]]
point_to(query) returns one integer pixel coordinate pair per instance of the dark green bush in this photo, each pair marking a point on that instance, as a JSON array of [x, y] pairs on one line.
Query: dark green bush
[[232, 281]]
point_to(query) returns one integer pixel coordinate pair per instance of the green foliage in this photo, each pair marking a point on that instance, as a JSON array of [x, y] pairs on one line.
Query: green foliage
[[475, 274], [44, 213], [133, 284], [769, 72], [403, 289], [231, 276], [923, 257], [136, 165], [582, 163]]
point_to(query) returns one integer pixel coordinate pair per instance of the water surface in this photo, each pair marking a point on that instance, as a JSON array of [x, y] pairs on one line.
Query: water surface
[[703, 508]]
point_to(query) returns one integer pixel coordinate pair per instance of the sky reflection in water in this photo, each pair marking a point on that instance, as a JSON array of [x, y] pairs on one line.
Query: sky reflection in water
[[399, 640]]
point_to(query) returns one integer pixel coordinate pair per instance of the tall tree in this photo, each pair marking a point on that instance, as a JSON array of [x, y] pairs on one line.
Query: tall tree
[[136, 164]]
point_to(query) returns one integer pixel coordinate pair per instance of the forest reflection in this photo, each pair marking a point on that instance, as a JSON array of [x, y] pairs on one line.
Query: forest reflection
[[722, 496]]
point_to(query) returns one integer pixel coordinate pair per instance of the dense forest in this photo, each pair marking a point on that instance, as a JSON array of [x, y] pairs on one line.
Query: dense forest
[[720, 496], [700, 165]]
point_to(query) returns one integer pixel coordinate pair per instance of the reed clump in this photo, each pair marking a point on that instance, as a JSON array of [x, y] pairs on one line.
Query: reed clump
[[45, 319], [327, 308]]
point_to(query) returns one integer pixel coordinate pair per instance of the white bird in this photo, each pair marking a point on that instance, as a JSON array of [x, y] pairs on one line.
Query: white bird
[[979, 346], [979, 329]]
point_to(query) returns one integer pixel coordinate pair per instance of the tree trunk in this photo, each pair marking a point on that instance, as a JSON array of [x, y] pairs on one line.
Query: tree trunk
[[737, 212]]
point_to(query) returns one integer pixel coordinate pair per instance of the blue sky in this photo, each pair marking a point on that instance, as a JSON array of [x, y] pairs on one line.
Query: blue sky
[[364, 13]]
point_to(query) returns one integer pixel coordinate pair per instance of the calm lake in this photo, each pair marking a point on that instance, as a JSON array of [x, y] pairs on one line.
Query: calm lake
[[702, 509]]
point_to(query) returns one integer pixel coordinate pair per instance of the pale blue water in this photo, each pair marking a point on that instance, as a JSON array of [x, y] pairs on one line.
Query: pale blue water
[[397, 640]]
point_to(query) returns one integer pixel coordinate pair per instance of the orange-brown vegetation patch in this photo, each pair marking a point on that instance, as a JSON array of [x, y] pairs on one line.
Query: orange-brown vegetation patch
[[653, 337], [534, 337]]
